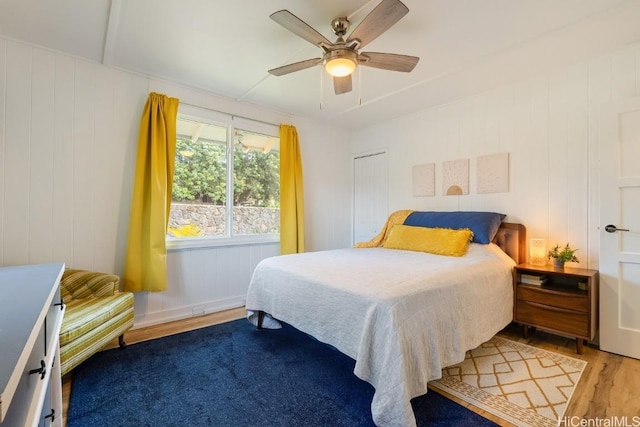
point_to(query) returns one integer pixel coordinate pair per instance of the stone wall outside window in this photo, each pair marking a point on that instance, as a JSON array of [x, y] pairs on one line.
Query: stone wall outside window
[[210, 218]]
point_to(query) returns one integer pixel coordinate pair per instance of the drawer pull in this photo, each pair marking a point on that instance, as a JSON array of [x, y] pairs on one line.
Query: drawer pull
[[550, 307], [61, 303], [52, 415], [42, 370]]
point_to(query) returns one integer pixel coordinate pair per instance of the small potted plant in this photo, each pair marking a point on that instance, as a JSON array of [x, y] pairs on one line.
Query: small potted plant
[[561, 255]]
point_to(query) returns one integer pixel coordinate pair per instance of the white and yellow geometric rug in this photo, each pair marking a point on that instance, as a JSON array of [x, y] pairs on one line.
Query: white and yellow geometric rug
[[524, 385]]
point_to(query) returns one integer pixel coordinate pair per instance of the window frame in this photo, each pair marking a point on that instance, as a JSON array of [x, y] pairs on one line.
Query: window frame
[[231, 123]]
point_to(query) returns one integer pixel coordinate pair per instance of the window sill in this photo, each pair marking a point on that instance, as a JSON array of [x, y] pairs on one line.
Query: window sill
[[175, 244]]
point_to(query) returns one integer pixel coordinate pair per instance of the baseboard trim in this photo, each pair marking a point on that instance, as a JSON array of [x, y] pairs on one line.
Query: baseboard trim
[[185, 312]]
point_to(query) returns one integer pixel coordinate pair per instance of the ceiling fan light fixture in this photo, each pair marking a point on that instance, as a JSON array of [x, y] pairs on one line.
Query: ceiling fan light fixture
[[341, 58], [340, 62]]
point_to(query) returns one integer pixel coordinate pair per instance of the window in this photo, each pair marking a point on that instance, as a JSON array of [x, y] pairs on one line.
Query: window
[[221, 159]]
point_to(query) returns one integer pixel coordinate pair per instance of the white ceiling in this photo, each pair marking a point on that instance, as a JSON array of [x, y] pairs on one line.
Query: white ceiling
[[226, 47]]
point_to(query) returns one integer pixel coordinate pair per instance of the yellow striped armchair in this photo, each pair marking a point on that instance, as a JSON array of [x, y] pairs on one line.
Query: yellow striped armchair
[[96, 313]]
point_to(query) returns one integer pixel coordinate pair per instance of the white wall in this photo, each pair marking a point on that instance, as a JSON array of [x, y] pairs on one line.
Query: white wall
[[68, 135], [550, 128], [68, 131]]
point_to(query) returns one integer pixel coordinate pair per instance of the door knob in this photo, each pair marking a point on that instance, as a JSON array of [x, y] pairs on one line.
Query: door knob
[[610, 228]]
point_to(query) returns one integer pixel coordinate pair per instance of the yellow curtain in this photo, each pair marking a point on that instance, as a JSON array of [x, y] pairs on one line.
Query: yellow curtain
[[291, 193], [146, 260]]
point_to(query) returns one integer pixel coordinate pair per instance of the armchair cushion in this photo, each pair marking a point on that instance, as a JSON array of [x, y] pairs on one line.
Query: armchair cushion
[[84, 315]]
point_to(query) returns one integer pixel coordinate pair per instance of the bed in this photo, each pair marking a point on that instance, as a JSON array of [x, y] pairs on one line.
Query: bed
[[401, 315]]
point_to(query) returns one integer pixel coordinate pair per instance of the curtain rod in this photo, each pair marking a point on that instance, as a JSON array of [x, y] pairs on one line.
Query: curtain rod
[[228, 114]]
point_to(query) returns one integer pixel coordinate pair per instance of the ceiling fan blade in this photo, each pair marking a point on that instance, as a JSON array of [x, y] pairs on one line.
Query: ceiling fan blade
[[297, 26], [342, 84], [388, 61], [296, 66], [379, 20]]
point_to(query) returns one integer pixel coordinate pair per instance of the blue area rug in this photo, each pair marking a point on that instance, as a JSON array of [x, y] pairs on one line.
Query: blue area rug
[[233, 375]]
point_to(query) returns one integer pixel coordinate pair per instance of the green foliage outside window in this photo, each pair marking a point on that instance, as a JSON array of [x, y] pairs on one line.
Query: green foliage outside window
[[200, 176], [256, 178]]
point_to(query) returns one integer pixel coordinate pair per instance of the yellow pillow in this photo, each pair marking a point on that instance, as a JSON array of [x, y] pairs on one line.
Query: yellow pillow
[[439, 241]]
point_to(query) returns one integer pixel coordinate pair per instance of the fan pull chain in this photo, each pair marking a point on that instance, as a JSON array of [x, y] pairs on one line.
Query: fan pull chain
[[360, 86], [321, 91]]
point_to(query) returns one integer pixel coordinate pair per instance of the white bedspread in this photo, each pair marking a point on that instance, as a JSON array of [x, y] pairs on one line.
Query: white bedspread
[[403, 316]]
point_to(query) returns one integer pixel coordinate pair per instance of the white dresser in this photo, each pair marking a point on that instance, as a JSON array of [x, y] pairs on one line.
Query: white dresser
[[31, 313]]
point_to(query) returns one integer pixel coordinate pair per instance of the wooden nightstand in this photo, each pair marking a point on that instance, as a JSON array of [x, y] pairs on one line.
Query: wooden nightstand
[[566, 302]]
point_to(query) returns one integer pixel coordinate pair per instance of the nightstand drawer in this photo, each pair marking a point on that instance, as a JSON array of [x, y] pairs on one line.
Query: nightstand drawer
[[570, 322], [555, 298]]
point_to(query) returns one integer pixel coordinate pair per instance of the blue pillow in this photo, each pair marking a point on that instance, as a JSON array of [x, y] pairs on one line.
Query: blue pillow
[[483, 224]]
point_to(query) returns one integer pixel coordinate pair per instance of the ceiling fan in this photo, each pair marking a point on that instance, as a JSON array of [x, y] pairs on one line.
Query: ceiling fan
[[341, 58]]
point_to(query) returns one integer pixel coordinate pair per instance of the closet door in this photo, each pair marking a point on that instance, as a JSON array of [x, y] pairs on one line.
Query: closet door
[[370, 195]]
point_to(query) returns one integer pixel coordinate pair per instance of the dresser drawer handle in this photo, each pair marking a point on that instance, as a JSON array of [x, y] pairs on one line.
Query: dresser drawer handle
[[42, 370], [552, 308]]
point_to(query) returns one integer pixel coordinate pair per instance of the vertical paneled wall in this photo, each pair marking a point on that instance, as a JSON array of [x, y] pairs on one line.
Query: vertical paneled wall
[[68, 136], [550, 128]]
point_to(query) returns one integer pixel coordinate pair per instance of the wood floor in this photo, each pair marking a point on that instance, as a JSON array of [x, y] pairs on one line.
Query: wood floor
[[608, 387]]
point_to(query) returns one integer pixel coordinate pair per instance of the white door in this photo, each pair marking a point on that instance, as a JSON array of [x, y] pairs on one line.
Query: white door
[[370, 195], [620, 228]]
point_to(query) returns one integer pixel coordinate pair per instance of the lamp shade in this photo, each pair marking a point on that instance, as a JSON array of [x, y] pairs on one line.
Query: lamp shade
[[537, 252], [340, 62], [340, 67]]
